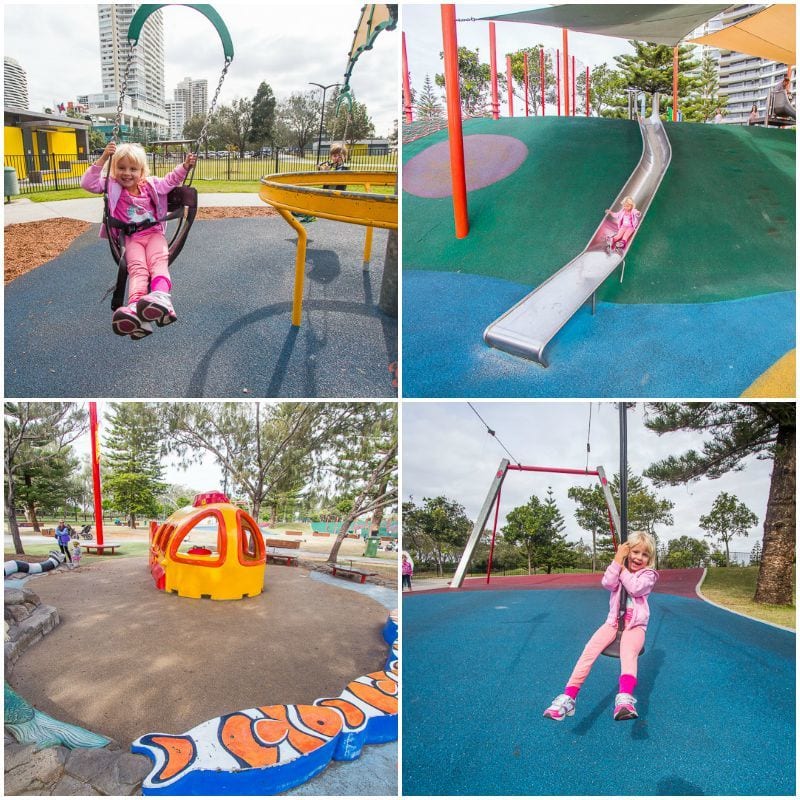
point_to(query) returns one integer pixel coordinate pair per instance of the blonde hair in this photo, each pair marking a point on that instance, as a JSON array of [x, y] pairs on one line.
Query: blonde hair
[[630, 200], [646, 541], [133, 152], [339, 148]]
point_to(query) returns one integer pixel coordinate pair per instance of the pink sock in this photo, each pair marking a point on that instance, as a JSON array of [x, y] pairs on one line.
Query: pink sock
[[572, 691], [160, 284], [627, 683]]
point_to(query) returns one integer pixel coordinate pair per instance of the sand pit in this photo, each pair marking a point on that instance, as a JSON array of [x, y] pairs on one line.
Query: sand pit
[[128, 660]]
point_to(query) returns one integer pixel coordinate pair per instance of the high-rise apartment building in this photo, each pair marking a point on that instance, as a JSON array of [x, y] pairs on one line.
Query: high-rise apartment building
[[143, 108], [176, 112], [745, 80], [15, 85], [194, 95]]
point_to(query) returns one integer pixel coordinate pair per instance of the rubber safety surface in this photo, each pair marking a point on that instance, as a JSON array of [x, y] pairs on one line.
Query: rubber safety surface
[[716, 699]]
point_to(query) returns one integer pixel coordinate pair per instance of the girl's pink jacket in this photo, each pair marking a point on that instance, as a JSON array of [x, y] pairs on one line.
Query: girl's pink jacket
[[637, 584], [627, 218], [94, 181]]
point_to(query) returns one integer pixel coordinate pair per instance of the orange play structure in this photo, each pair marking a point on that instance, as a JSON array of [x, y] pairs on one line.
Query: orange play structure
[[208, 549]]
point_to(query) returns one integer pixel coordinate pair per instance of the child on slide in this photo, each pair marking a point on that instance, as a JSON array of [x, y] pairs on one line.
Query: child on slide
[[627, 218], [135, 196], [631, 569]]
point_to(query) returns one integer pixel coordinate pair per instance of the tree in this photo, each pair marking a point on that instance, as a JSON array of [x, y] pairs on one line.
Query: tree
[[349, 125], [237, 119], [534, 76], [35, 433], [364, 467], [427, 103], [262, 118], [685, 552], [703, 102], [435, 531], [729, 517], [737, 431], [300, 113], [592, 516], [649, 69], [607, 92], [133, 460], [646, 510], [755, 554], [475, 79], [47, 484]]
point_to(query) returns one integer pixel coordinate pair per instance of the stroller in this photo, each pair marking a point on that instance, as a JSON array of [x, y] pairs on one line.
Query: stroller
[[86, 532]]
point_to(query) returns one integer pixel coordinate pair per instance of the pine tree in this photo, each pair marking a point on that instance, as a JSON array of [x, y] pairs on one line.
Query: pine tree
[[132, 459], [427, 104], [263, 116], [702, 103], [649, 69]]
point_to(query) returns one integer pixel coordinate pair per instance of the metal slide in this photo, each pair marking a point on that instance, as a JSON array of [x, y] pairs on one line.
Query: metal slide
[[526, 329]]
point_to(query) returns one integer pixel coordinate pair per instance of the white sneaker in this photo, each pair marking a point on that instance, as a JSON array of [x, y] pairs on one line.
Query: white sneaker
[[126, 322], [625, 706], [563, 706], [156, 307]]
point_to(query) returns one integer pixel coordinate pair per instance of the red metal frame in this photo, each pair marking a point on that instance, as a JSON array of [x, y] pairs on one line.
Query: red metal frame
[[493, 65], [98, 498], [675, 84], [510, 84], [558, 471], [407, 109], [565, 41]]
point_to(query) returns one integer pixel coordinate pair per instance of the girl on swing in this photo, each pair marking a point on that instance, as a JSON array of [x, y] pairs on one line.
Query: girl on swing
[[631, 569], [136, 197]]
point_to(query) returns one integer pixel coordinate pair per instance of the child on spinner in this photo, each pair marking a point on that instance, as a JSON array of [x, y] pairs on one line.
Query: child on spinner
[[627, 219], [638, 578], [134, 196]]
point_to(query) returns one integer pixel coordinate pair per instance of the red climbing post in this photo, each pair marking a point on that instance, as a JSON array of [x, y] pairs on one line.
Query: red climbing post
[[527, 85], [493, 65], [98, 498], [558, 83], [510, 85], [566, 70], [542, 74], [407, 110], [675, 83]]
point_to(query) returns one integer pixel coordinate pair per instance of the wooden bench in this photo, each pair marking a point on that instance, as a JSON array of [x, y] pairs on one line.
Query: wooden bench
[[274, 545], [293, 533], [348, 572], [100, 548]]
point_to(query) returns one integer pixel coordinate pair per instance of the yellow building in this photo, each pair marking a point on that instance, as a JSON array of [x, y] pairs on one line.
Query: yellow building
[[44, 147]]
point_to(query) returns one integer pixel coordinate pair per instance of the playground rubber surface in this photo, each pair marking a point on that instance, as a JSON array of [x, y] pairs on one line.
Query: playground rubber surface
[[128, 660], [233, 338], [720, 234], [716, 699]]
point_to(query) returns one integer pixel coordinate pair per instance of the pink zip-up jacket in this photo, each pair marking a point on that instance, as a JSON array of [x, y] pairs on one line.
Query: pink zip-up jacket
[[94, 181], [627, 218], [637, 584]]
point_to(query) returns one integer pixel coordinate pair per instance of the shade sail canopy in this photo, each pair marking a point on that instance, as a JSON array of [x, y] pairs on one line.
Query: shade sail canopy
[[769, 34], [660, 24]]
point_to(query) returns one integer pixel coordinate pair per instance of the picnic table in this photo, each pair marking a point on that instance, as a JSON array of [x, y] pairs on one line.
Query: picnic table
[[276, 551], [101, 548], [339, 570]]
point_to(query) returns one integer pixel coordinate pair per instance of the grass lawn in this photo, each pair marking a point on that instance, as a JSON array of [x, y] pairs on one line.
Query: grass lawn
[[127, 549], [734, 587]]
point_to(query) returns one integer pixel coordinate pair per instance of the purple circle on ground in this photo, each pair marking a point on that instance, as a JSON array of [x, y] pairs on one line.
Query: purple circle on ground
[[488, 158]]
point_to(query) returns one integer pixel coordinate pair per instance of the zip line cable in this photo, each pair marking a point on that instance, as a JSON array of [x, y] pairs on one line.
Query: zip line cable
[[492, 433]]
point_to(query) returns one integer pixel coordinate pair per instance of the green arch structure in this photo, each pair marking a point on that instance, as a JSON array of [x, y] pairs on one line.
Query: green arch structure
[[141, 16]]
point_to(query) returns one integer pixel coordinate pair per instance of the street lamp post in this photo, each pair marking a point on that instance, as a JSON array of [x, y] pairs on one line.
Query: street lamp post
[[322, 115]]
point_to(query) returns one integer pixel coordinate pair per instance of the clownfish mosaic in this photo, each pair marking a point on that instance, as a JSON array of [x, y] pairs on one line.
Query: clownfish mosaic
[[267, 750]]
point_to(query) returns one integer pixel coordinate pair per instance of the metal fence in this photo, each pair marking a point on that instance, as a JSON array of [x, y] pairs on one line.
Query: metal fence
[[55, 172]]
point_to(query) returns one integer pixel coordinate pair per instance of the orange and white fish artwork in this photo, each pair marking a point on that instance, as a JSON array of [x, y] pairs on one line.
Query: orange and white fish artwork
[[270, 749]]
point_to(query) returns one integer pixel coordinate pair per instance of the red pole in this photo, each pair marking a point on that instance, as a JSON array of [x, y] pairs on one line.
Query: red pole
[[574, 104], [542, 74], [510, 84], [406, 86], [566, 71], [527, 85], [587, 92], [675, 83], [558, 82], [455, 134], [493, 64], [494, 533], [98, 498]]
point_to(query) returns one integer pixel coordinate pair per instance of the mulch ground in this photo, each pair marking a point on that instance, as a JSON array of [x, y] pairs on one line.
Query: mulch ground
[[30, 244]]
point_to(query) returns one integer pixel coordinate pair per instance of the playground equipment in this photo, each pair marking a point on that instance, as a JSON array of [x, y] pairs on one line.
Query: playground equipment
[[209, 549], [269, 749], [305, 192], [302, 192], [182, 200], [55, 559], [526, 328]]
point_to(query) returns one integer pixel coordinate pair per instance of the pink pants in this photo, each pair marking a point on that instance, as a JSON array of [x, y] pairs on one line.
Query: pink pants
[[629, 648], [623, 234], [148, 258]]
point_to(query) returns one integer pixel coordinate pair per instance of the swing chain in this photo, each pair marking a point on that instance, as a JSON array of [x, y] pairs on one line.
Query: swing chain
[[204, 129], [123, 89]]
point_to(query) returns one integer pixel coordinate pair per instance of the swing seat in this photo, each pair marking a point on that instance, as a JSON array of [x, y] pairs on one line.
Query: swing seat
[[612, 651]]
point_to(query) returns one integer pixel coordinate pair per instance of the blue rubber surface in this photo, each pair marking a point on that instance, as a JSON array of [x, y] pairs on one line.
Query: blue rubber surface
[[716, 699], [691, 350], [232, 289]]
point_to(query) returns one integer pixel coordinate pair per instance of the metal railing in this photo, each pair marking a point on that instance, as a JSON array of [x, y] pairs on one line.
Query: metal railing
[[55, 172]]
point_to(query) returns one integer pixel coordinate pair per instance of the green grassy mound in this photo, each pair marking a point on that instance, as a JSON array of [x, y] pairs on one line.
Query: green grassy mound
[[721, 226]]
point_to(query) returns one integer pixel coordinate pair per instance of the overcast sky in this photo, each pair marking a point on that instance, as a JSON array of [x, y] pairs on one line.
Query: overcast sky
[[447, 451], [422, 25], [285, 44]]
